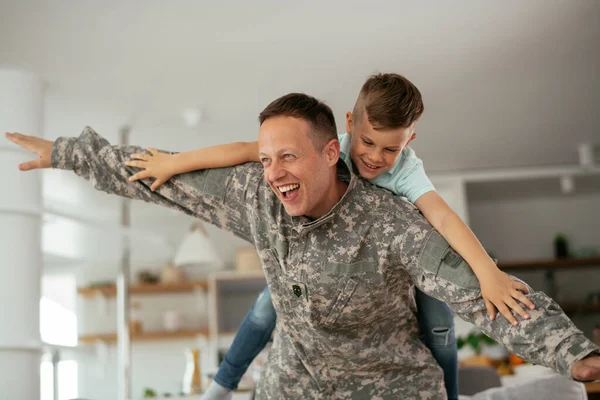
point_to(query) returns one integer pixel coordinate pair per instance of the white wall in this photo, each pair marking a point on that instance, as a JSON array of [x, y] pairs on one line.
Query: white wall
[[518, 220]]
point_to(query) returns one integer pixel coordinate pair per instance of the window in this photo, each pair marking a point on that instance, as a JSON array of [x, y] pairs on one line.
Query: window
[[58, 326]]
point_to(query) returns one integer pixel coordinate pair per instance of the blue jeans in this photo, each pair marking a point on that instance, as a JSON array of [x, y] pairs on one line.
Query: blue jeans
[[252, 336], [435, 320], [437, 332]]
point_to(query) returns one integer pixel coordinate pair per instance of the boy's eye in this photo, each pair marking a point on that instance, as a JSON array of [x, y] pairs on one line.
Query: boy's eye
[[392, 150], [368, 143]]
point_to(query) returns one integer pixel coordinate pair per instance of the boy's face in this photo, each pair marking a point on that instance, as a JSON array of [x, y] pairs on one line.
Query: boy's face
[[298, 173], [376, 151]]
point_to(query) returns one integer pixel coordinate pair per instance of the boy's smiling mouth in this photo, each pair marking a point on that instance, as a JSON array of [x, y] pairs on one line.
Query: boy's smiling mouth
[[370, 167]]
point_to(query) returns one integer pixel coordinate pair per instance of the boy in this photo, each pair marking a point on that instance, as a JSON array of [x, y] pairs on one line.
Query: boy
[[379, 130]]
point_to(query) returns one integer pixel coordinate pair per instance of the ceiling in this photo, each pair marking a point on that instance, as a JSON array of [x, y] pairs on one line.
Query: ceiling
[[504, 83], [511, 83]]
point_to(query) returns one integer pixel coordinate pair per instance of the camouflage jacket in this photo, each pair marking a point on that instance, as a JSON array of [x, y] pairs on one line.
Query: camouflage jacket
[[342, 285]]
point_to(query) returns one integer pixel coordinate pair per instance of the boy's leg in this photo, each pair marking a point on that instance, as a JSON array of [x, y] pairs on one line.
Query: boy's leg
[[437, 326], [252, 336]]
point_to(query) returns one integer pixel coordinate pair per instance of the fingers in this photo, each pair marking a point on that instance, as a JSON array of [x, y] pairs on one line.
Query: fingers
[[136, 163], [156, 184], [517, 308], [140, 175], [153, 151], [507, 314], [140, 156], [491, 309], [519, 286], [30, 165], [18, 139], [523, 299], [25, 142]]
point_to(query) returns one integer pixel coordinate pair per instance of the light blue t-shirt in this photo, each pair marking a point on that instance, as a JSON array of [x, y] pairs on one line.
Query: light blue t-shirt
[[406, 178]]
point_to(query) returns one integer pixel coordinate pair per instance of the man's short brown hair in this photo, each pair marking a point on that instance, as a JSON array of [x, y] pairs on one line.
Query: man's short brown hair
[[302, 106], [390, 100]]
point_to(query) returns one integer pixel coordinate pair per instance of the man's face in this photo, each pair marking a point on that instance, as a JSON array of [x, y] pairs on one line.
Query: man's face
[[299, 174], [376, 151]]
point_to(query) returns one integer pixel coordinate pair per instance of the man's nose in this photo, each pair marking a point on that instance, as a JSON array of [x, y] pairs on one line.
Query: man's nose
[[274, 173]]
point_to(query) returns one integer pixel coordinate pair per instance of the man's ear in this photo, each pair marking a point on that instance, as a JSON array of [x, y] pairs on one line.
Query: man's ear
[[332, 152], [349, 123]]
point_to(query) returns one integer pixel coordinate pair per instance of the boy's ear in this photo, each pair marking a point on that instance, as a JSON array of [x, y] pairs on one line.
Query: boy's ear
[[349, 123], [412, 137], [332, 152]]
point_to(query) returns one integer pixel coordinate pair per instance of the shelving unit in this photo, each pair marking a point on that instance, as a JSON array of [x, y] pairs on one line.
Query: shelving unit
[[146, 288], [230, 295], [145, 336], [226, 288], [581, 308], [550, 264], [593, 387]]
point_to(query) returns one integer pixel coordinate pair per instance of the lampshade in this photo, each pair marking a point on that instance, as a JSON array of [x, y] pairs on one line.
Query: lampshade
[[196, 249]]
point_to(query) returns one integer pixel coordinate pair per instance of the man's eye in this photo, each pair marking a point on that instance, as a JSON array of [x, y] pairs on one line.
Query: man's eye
[[288, 156], [264, 160]]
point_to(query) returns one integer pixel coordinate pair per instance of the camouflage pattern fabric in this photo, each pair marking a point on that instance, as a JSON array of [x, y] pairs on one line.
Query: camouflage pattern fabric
[[342, 285]]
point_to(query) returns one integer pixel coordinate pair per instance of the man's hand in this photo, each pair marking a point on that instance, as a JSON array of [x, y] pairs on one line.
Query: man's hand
[[587, 369], [41, 147]]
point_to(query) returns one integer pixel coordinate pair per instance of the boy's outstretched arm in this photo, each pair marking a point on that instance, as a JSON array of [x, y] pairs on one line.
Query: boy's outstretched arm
[[497, 289], [548, 338], [162, 166]]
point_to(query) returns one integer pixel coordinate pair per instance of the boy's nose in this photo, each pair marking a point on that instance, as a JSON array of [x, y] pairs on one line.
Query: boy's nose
[[375, 158]]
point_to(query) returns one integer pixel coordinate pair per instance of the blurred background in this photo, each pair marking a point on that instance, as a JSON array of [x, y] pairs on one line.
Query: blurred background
[[510, 136]]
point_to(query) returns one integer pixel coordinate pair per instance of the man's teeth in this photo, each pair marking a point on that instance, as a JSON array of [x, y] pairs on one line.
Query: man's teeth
[[284, 189]]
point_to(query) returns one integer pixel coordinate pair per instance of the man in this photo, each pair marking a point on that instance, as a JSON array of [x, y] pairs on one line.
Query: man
[[341, 259]]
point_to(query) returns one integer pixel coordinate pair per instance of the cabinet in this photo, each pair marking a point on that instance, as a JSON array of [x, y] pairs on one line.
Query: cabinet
[[228, 296]]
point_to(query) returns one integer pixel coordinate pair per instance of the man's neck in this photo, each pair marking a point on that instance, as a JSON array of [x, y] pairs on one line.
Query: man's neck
[[335, 194]]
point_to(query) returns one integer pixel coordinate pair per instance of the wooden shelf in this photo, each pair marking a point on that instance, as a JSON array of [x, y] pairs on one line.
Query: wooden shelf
[[240, 275], [584, 308], [593, 387], [551, 264], [144, 336], [158, 288]]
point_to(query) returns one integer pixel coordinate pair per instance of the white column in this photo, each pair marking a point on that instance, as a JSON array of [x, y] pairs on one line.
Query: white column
[[21, 106]]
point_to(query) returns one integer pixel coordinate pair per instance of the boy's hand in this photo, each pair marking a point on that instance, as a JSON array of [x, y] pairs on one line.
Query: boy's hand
[[154, 165], [501, 292]]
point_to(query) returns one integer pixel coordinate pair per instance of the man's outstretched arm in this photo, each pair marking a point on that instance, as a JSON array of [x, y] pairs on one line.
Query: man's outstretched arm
[[218, 196], [547, 338]]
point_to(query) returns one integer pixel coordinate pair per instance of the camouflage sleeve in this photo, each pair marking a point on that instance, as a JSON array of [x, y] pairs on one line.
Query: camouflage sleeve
[[548, 338], [217, 196]]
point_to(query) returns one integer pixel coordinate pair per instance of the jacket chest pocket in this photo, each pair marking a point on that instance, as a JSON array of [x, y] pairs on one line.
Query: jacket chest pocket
[[339, 302], [341, 297]]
